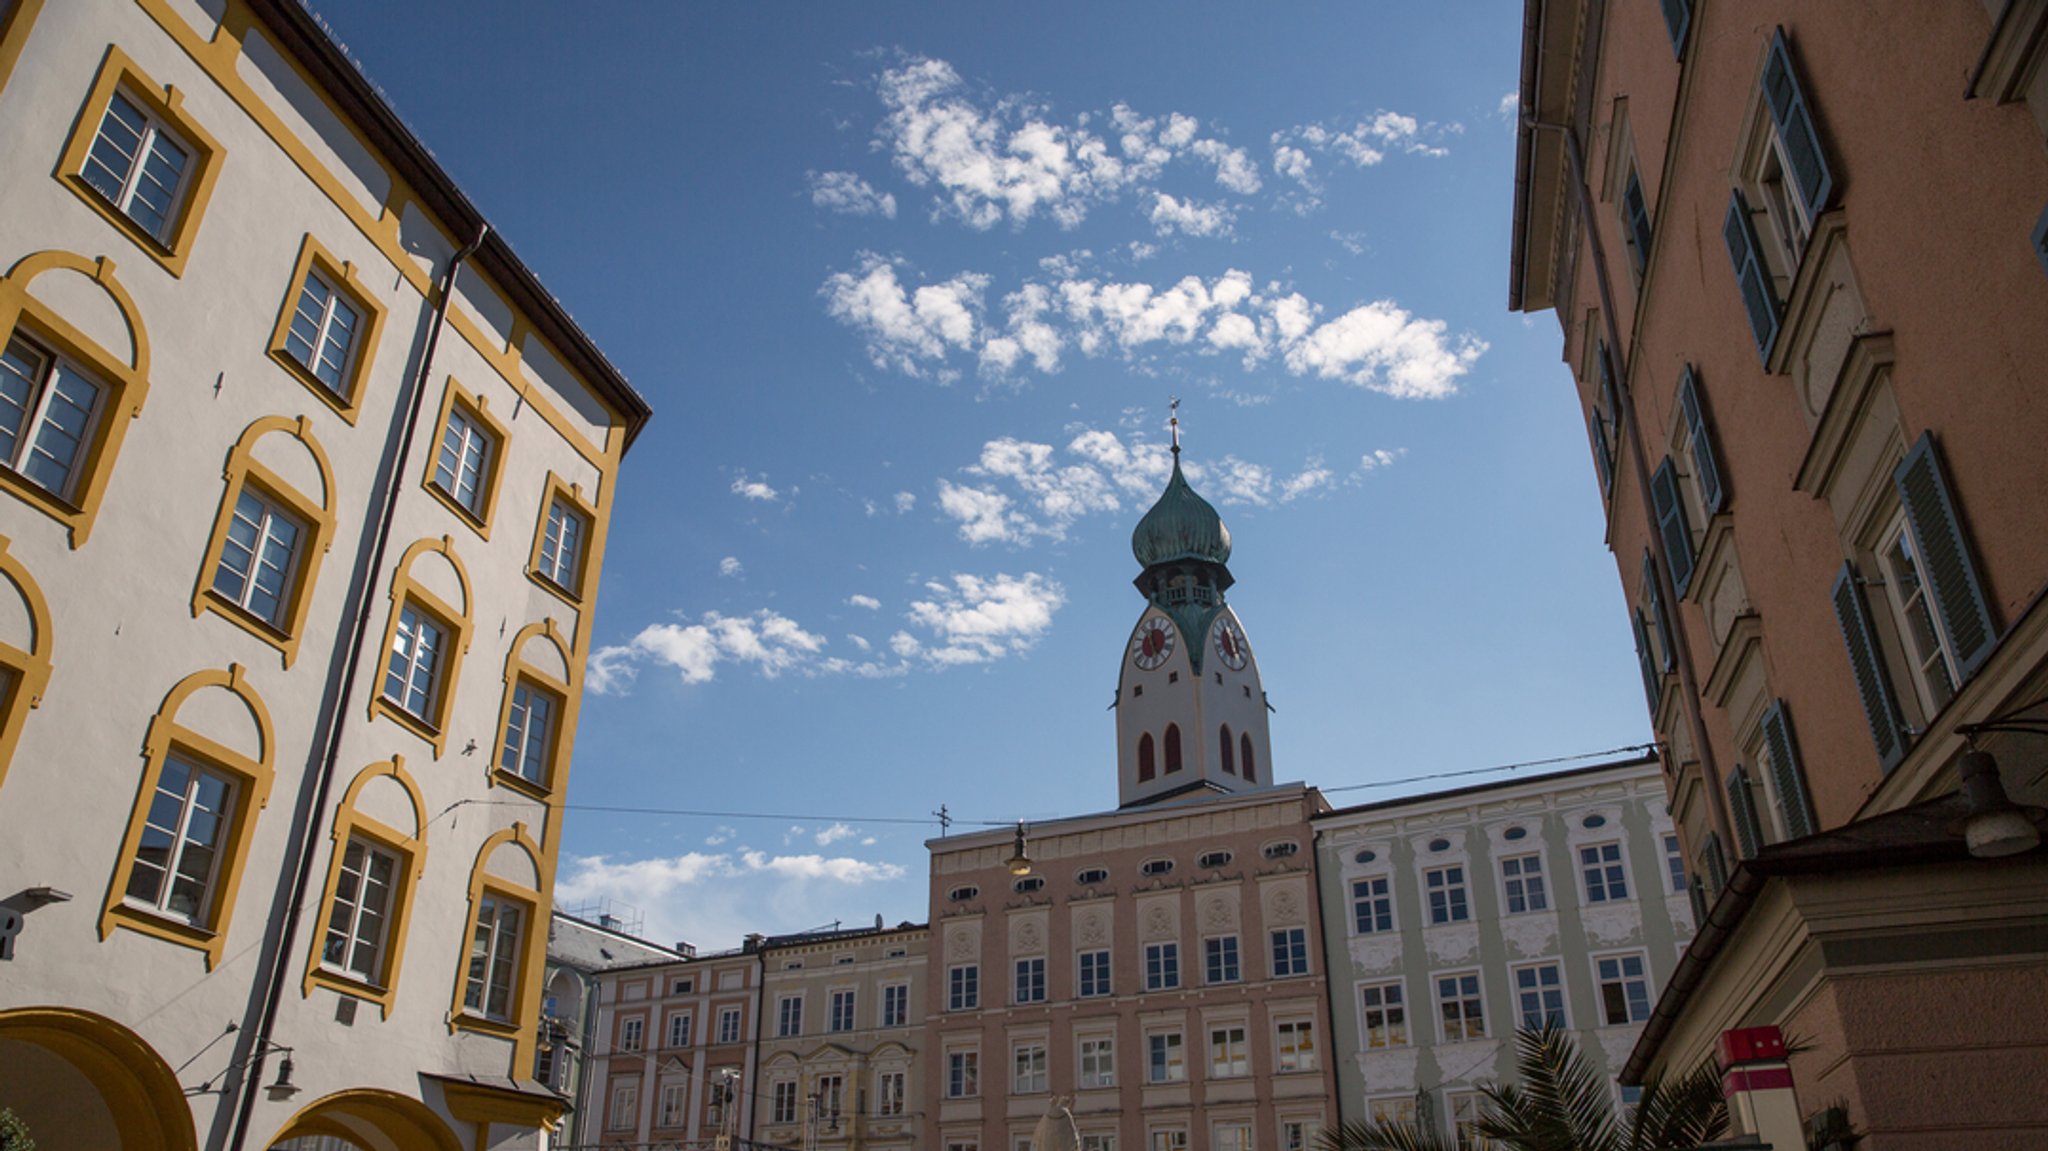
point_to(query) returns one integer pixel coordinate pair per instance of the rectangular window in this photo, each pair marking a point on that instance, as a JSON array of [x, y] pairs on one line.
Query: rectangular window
[[259, 557], [625, 1106], [140, 166], [1294, 1045], [529, 733], [1094, 974], [1522, 878], [889, 1091], [630, 1033], [1601, 865], [789, 1015], [1234, 1136], [412, 679], [1027, 1071], [1165, 1062], [783, 1107], [1031, 980], [729, 1025], [1098, 1141], [1674, 863], [362, 905], [679, 1029], [1372, 905], [494, 958], [47, 411], [842, 1010], [1624, 989], [1098, 1063], [1290, 952], [1539, 995], [1391, 1109], [672, 1104], [463, 469], [561, 544], [1162, 966], [187, 831], [1446, 886], [1219, 959], [322, 333], [963, 987], [1465, 1110], [1228, 1053], [1934, 667], [1457, 1000], [1170, 1139], [830, 1090], [895, 1005], [1293, 1135], [963, 1074], [1383, 1015], [1635, 214]]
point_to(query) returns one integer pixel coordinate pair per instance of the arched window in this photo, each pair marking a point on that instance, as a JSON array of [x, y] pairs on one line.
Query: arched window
[[1145, 769], [1172, 748], [1244, 745], [1229, 752]]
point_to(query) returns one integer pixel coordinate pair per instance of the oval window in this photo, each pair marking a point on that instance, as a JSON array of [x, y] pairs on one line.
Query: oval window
[[1028, 884], [1595, 821], [1281, 850], [1214, 859], [1366, 856], [1091, 876], [1439, 845], [963, 894], [1514, 833], [1156, 867]]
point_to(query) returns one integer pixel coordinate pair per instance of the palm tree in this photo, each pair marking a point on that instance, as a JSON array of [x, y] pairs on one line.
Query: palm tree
[[1560, 1102]]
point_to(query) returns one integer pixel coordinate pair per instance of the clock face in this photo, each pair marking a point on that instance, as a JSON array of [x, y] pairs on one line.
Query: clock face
[[1153, 643], [1230, 645]]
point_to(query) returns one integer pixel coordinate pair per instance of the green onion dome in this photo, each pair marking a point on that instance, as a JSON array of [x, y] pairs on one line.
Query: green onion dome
[[1180, 526]]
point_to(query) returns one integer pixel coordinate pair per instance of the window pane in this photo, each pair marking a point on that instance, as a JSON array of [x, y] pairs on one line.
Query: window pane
[[114, 149], [66, 417]]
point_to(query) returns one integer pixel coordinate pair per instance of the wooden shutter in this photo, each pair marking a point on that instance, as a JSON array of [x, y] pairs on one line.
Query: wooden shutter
[[1866, 663], [1787, 776], [1759, 299], [1793, 117], [1636, 214], [1677, 18], [1672, 527], [1653, 685], [1945, 557], [1596, 430], [1749, 835], [1667, 659], [1706, 463], [1716, 863]]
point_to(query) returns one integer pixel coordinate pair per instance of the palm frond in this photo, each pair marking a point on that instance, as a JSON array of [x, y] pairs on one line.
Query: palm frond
[[1386, 1136], [1560, 1101], [1685, 1111]]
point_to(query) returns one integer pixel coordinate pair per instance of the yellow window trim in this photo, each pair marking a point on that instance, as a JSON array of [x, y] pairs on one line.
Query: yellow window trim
[[31, 668], [404, 590], [252, 777], [526, 988], [477, 408], [571, 494], [345, 277], [166, 103], [566, 698], [126, 384], [412, 853], [14, 30], [150, 1111], [318, 518]]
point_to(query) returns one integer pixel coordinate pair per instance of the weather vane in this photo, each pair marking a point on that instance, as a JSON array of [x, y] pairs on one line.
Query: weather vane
[[1173, 421]]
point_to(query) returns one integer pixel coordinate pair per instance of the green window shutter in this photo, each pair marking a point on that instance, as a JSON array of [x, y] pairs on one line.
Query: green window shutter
[[1596, 430], [1636, 212], [1677, 18], [1787, 776], [1749, 835], [1717, 863], [1759, 299], [1672, 527], [1706, 463], [1667, 660], [1793, 117], [1866, 662], [1945, 557], [1653, 685]]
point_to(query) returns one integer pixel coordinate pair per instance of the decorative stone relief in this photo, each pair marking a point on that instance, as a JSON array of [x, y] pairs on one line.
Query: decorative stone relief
[[1029, 939], [1530, 935], [1389, 1070], [961, 944], [1093, 930], [1618, 1042], [1380, 952], [1159, 923], [1610, 923], [1452, 943], [1283, 906], [1218, 914]]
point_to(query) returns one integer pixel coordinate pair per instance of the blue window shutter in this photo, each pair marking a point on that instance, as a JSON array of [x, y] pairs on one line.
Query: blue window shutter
[[1887, 728], [1787, 776], [1706, 463], [1759, 299], [1945, 556], [1653, 685], [1793, 117], [1596, 430], [1637, 213], [1667, 660], [1672, 527], [1749, 835], [1677, 18]]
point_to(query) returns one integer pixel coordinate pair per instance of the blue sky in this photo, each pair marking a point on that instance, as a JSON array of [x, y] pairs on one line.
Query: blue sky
[[909, 288]]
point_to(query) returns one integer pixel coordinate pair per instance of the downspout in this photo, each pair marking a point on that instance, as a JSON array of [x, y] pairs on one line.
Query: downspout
[[331, 754], [1625, 399]]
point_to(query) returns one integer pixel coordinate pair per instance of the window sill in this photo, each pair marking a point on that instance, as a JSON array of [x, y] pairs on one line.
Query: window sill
[[344, 983], [410, 722], [572, 597], [465, 1021], [49, 503], [207, 600], [160, 926], [519, 783], [343, 406], [470, 519], [172, 261]]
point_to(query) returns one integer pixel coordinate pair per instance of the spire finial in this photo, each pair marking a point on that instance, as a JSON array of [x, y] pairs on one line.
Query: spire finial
[[1173, 421]]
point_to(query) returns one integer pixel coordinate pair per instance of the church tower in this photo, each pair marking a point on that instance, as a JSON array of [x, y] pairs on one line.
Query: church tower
[[1190, 710]]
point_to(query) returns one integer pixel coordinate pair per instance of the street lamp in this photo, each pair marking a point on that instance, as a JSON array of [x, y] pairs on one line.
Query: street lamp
[[1019, 862]]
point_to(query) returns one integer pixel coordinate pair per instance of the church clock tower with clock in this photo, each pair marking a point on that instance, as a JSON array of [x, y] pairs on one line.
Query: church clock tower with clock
[[1190, 710]]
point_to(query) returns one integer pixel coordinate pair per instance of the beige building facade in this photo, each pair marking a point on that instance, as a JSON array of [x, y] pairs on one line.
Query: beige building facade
[[674, 1052], [1799, 257], [302, 514]]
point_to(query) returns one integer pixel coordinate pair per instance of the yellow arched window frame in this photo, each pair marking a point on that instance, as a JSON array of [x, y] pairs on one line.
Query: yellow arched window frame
[[152, 852], [334, 956], [122, 84], [315, 340], [36, 334], [260, 502], [536, 719], [564, 541], [468, 457], [424, 642], [14, 27], [497, 987], [24, 673]]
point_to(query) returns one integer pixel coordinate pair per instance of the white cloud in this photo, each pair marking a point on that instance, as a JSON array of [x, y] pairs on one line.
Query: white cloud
[[905, 328], [1510, 108], [747, 487], [867, 601], [730, 566], [714, 898], [1189, 217], [1312, 478], [1365, 143], [984, 514], [1234, 168], [1382, 347], [848, 194], [834, 834], [860, 642], [974, 620], [771, 642], [1379, 458], [1352, 242], [720, 835], [905, 501]]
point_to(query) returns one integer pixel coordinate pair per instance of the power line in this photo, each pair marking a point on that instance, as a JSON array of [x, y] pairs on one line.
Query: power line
[[1489, 770]]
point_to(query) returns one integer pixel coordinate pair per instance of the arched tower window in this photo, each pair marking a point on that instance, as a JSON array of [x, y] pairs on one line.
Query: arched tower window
[[1251, 772], [1145, 769], [1229, 752], [1172, 748]]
